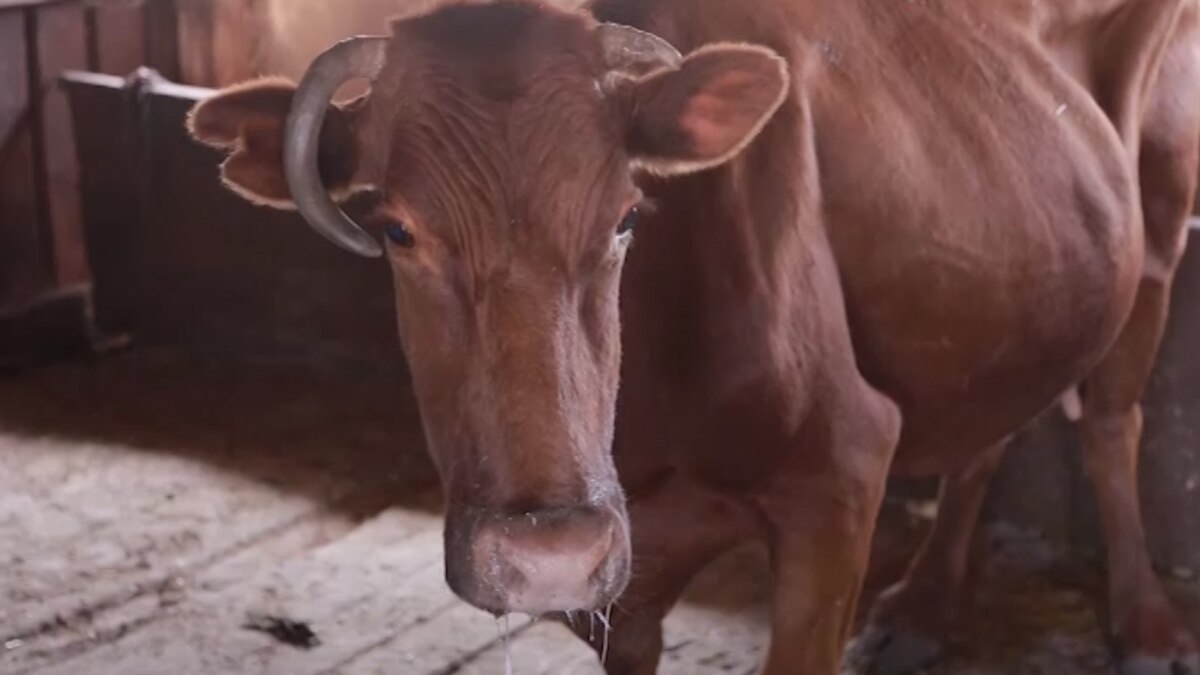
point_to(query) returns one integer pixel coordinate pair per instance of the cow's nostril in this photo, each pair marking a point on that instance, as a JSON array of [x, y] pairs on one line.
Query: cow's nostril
[[551, 561], [564, 554]]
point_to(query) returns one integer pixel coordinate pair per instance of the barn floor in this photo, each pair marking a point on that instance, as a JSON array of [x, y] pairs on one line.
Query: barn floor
[[152, 507]]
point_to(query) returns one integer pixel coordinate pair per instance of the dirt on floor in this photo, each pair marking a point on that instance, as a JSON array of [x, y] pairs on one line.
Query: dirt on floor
[[162, 513]]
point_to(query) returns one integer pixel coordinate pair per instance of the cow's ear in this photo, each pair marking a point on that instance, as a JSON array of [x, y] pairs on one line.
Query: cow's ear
[[247, 121], [704, 112]]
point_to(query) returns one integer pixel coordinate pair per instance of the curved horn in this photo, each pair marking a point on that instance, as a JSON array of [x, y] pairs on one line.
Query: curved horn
[[627, 48], [347, 60]]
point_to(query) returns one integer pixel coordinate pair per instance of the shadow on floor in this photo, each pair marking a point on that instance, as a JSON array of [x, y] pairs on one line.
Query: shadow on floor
[[286, 426]]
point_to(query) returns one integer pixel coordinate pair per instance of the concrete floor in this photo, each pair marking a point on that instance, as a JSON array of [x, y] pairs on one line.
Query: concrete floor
[[150, 504]]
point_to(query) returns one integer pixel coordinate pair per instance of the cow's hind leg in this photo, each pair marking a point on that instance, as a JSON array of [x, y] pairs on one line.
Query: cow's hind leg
[[677, 531], [1149, 636], [908, 624]]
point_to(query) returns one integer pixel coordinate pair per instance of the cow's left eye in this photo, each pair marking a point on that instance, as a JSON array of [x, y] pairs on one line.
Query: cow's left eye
[[629, 222], [399, 235]]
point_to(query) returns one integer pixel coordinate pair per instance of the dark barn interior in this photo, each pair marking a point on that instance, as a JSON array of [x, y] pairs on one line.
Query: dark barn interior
[[210, 456]]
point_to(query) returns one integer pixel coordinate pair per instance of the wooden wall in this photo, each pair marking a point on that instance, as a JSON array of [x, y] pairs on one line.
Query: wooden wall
[[181, 260], [42, 254]]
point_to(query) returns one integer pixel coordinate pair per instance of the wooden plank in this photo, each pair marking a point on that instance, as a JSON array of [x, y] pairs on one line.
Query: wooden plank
[[161, 38], [120, 47], [233, 473], [195, 29], [544, 648], [113, 624], [14, 80], [442, 644], [62, 45], [380, 604], [242, 36], [720, 628], [13, 4], [109, 193], [77, 557], [355, 592], [22, 275]]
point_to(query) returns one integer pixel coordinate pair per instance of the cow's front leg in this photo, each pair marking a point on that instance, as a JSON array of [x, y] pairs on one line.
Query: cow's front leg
[[822, 513], [677, 531]]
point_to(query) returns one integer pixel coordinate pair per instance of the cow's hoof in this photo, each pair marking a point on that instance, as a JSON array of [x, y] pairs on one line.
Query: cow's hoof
[[887, 651], [1158, 665]]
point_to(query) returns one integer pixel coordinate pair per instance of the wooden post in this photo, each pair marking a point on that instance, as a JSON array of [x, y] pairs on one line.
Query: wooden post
[[61, 44], [161, 38], [23, 260]]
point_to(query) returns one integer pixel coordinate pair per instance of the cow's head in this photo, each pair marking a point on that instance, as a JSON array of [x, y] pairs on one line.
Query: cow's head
[[503, 142]]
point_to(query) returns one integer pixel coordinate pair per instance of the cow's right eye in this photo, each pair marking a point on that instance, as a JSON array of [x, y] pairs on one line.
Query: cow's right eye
[[629, 223], [399, 235]]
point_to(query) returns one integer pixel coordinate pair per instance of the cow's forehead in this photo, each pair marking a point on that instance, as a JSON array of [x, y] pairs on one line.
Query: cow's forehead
[[498, 126], [488, 39]]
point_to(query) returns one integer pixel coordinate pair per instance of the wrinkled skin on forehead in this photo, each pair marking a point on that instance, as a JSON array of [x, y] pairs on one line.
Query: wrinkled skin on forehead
[[512, 283]]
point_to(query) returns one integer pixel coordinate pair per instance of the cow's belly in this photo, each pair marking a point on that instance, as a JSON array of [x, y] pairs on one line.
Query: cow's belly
[[970, 355], [988, 239]]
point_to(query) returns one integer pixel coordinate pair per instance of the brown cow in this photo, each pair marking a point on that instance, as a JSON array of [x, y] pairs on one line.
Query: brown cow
[[935, 211]]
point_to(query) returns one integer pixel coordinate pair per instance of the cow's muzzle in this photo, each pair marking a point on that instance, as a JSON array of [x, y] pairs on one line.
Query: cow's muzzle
[[540, 562]]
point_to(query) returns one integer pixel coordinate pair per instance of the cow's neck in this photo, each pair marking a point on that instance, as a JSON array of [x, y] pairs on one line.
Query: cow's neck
[[731, 296], [731, 282]]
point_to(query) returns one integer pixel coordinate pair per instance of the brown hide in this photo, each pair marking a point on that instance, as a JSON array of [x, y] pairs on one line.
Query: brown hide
[[957, 212]]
